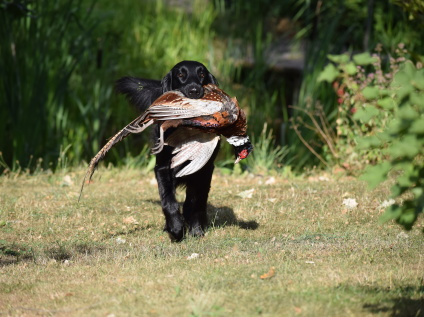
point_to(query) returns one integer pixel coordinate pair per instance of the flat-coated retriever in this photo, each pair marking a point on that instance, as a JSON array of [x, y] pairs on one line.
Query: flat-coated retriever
[[189, 77]]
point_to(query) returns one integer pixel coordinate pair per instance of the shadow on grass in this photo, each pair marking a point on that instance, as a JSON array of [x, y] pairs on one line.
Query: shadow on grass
[[400, 305], [225, 216], [11, 253], [127, 232], [222, 217]]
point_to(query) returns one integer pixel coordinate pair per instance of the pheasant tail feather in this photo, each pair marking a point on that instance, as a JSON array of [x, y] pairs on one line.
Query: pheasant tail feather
[[132, 127]]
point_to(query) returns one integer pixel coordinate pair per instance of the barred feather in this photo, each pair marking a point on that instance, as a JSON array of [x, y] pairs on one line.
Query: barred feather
[[115, 139]]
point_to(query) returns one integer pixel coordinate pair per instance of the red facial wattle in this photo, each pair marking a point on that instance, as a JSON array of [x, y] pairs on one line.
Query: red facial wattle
[[243, 154]]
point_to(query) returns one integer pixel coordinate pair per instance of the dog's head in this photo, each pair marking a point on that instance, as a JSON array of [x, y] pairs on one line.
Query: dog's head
[[189, 77]]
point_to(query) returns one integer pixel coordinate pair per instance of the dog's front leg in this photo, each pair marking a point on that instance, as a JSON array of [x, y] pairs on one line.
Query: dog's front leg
[[195, 204], [174, 220]]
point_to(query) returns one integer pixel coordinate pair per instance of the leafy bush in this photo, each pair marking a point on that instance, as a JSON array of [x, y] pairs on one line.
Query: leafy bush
[[379, 125], [381, 121], [403, 142], [359, 83]]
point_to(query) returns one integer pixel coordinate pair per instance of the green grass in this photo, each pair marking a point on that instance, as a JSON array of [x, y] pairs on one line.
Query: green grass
[[108, 256]]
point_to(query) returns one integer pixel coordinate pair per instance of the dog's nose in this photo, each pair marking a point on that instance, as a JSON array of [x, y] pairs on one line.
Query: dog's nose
[[194, 92]]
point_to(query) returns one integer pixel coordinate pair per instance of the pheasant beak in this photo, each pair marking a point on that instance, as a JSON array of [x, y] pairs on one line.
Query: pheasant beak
[[242, 155]]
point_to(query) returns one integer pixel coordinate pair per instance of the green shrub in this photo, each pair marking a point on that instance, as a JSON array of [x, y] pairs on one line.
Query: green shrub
[[403, 142], [380, 125], [360, 84]]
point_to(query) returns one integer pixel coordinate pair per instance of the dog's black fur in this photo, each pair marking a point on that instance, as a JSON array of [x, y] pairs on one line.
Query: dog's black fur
[[189, 77]]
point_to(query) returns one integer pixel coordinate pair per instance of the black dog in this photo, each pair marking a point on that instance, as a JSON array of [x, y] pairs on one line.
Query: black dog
[[189, 77]]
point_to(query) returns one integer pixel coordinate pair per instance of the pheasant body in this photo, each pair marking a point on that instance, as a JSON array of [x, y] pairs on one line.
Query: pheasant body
[[199, 124]]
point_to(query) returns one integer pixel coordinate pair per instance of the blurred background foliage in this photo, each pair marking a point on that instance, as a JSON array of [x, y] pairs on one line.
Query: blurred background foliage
[[59, 60]]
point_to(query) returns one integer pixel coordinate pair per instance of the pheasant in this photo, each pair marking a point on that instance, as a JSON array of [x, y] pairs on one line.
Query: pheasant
[[215, 113], [199, 124]]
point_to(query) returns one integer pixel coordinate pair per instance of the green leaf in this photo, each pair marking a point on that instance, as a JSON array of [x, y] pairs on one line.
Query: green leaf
[[374, 175], [407, 147], [418, 192], [366, 114], [395, 126], [364, 59], [407, 112], [363, 143], [398, 190], [350, 69], [384, 92], [417, 99], [385, 137], [418, 80], [407, 218], [339, 59], [417, 126], [400, 79], [369, 142], [329, 74], [392, 212], [406, 180], [387, 103], [404, 91], [409, 69], [370, 93]]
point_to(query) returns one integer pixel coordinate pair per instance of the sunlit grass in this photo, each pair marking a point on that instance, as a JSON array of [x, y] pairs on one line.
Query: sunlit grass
[[108, 254]]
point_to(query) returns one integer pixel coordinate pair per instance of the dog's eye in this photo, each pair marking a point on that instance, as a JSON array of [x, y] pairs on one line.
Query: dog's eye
[[181, 75], [202, 75]]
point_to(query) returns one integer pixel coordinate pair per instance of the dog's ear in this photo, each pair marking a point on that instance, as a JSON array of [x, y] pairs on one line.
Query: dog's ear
[[167, 82], [213, 79]]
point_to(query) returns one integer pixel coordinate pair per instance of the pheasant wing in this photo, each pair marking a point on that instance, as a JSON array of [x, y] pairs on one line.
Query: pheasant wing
[[191, 145], [174, 105], [184, 109]]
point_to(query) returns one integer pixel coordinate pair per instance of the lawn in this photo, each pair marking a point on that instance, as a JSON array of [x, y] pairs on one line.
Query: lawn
[[275, 247]]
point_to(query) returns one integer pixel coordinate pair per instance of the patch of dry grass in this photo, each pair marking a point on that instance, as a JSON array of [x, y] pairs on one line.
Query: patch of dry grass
[[291, 249]]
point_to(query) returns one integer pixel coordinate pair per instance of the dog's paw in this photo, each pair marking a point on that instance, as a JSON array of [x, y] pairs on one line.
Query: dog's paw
[[197, 231], [175, 228]]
